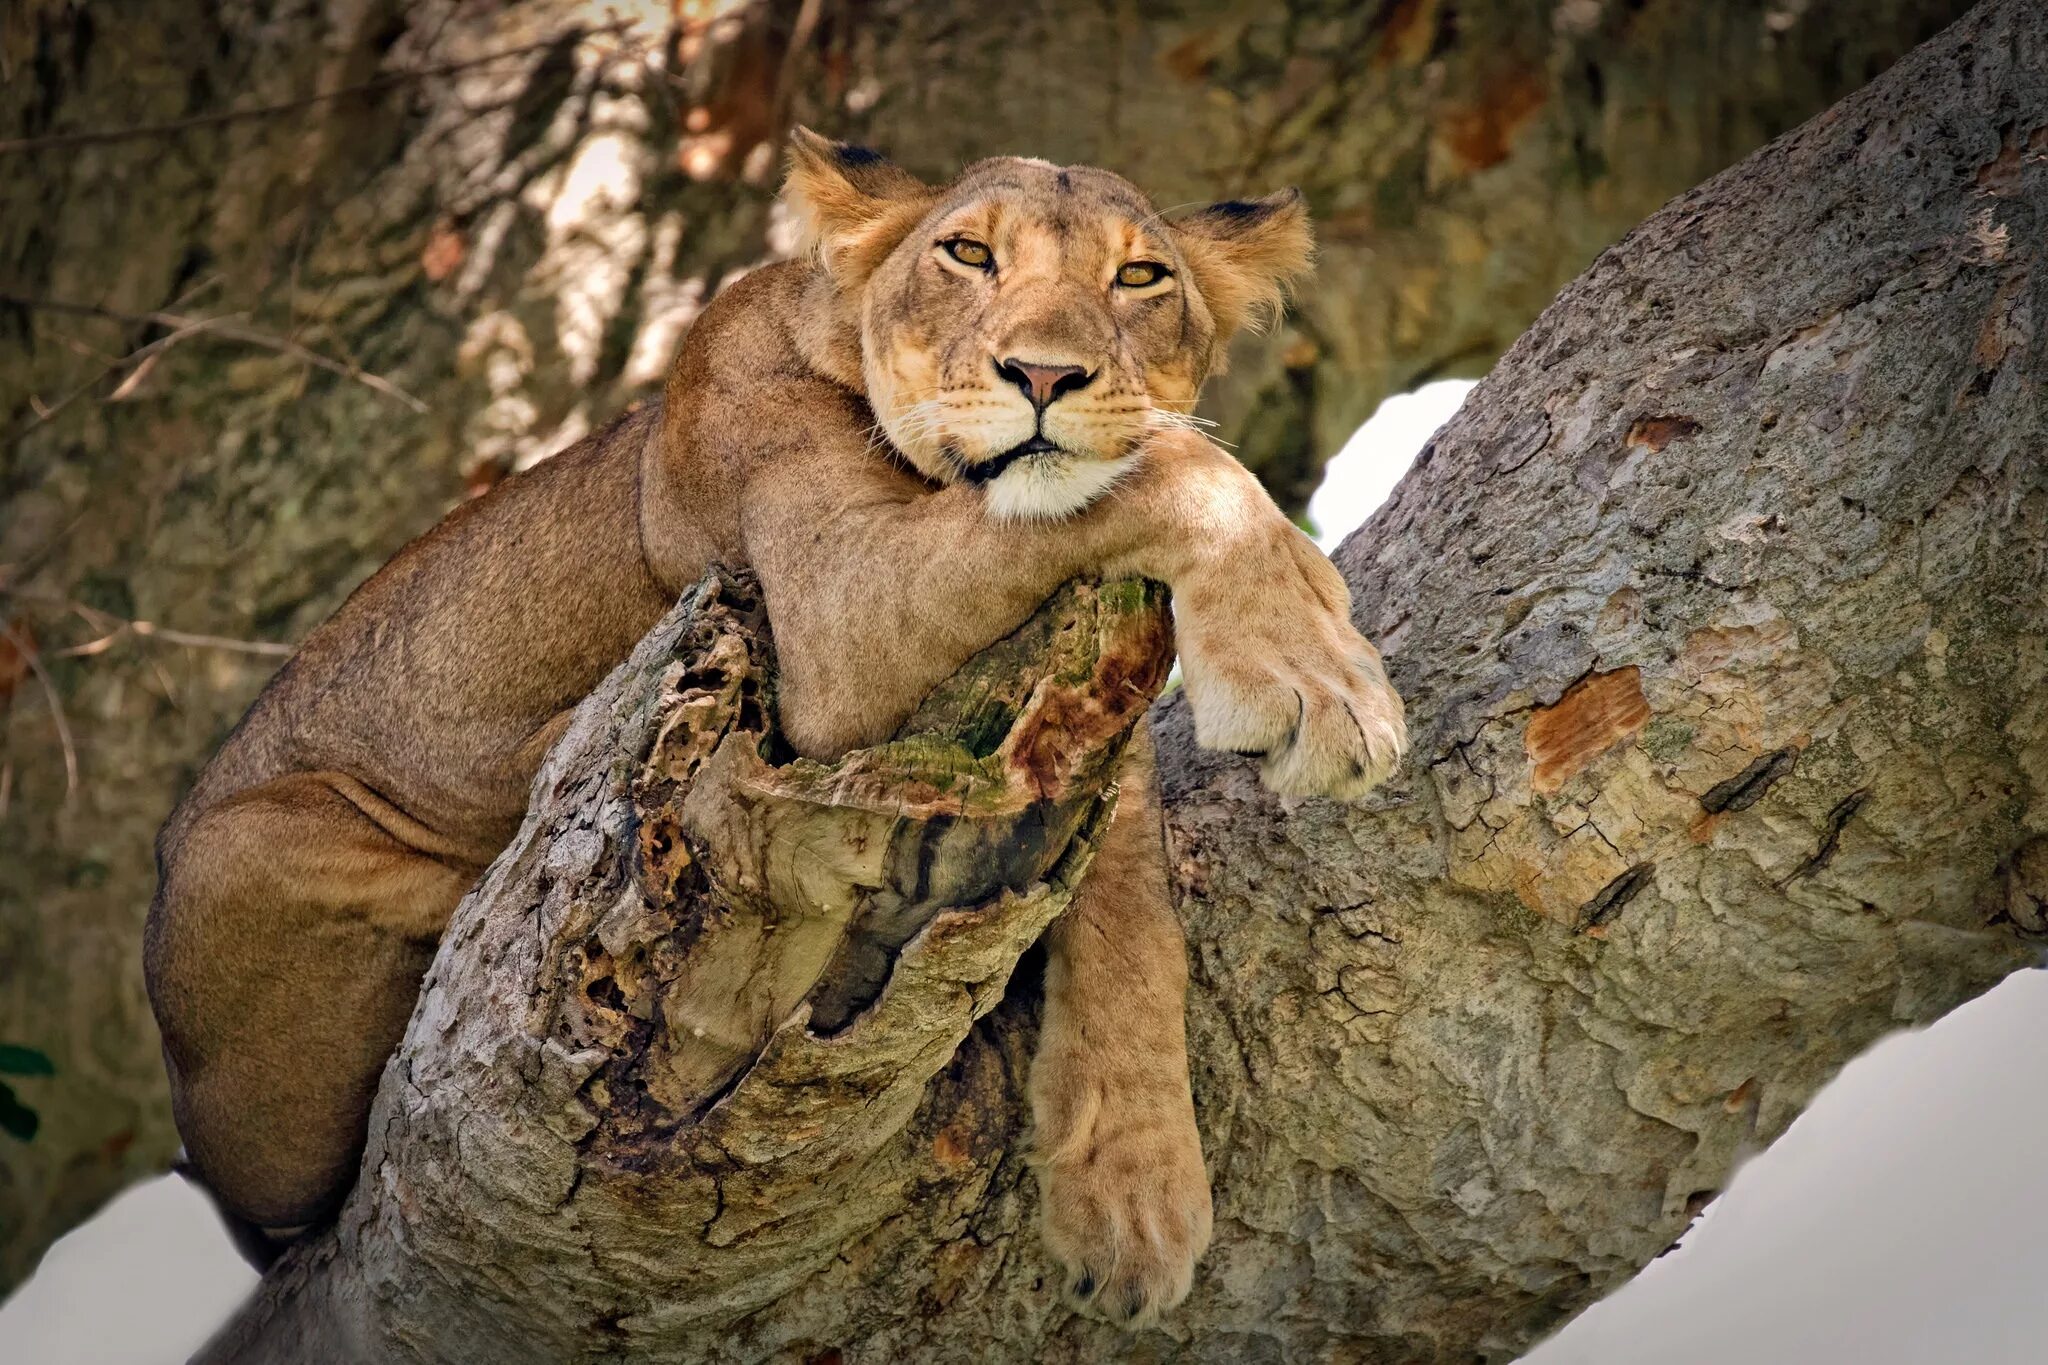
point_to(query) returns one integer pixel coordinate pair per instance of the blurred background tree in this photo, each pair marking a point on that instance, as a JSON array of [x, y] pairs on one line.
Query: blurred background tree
[[281, 282]]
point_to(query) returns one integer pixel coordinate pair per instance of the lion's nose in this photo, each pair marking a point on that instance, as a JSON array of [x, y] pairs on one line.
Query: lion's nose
[[1043, 384]]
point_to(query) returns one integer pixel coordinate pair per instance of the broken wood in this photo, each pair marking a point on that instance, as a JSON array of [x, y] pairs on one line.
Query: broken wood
[[689, 1022]]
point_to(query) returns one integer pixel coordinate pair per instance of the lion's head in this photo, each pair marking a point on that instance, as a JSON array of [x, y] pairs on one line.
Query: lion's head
[[1026, 325]]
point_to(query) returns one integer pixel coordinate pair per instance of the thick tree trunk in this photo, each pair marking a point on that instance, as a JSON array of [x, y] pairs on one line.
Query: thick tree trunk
[[308, 220], [1720, 611]]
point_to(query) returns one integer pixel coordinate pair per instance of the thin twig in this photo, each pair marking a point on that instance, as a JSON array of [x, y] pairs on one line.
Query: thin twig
[[163, 680], [298, 351], [224, 327], [58, 141], [45, 412], [113, 628], [149, 630], [35, 664]]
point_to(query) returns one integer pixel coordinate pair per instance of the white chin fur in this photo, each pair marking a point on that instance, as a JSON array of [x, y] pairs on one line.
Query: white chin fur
[[1045, 488]]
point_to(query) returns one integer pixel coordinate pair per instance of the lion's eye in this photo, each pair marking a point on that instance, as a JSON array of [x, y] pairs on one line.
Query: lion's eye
[[969, 252], [1138, 274]]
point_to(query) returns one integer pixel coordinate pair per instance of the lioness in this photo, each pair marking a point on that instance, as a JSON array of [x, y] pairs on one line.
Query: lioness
[[957, 398]]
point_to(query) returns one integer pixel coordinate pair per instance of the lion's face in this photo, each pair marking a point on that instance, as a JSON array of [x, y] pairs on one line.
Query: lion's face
[[1030, 331], [1026, 326]]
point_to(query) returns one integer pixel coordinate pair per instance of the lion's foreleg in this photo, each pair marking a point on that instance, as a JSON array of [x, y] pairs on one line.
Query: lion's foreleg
[[1125, 1196]]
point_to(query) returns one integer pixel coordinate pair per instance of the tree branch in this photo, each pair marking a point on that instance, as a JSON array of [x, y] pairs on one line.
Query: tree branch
[[1720, 614], [1459, 173], [702, 995]]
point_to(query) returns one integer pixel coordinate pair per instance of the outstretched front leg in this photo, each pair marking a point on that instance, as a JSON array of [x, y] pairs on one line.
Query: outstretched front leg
[[880, 588], [1125, 1203]]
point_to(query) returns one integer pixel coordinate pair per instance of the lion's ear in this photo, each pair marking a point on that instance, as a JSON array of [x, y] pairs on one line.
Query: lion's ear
[[852, 205], [1245, 253]]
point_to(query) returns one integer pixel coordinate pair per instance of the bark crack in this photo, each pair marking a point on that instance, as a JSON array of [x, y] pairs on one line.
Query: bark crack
[[1747, 787], [1614, 897], [1831, 836]]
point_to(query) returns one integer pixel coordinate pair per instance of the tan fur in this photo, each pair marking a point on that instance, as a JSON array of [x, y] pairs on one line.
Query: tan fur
[[831, 424]]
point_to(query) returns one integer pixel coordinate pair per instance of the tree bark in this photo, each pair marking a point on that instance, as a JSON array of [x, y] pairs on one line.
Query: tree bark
[[351, 258], [691, 1019], [1720, 613]]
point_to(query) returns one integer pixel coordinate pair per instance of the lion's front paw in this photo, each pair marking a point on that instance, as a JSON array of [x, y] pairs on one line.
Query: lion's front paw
[[1127, 1217], [1274, 668]]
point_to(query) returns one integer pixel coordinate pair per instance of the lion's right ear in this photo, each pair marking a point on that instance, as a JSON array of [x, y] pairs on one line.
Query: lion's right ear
[[852, 205]]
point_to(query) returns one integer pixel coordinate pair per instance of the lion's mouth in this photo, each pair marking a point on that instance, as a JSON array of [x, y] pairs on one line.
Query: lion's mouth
[[991, 469]]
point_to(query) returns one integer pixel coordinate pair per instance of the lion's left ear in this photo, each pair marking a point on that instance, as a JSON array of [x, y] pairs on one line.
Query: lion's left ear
[[1245, 254], [851, 204]]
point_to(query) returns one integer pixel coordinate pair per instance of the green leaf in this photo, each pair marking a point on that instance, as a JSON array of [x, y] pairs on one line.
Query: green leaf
[[24, 1061], [16, 1119]]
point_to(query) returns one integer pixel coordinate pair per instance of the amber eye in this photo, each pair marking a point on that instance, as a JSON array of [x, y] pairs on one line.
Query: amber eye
[[1138, 274], [969, 252]]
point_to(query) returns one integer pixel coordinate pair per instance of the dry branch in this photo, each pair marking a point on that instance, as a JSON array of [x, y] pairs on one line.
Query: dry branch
[[183, 326]]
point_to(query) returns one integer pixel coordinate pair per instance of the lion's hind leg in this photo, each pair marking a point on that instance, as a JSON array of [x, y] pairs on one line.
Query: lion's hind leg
[[285, 950]]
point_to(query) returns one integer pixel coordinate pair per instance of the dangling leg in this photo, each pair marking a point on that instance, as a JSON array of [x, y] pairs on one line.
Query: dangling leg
[[1126, 1198]]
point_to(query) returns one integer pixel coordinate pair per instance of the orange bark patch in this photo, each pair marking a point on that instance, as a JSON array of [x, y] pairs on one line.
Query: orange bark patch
[[743, 61], [1405, 40], [2001, 175], [949, 1151], [664, 855], [1595, 715], [1300, 353], [1067, 721], [1480, 135], [444, 252], [1191, 59], [484, 475], [1654, 433]]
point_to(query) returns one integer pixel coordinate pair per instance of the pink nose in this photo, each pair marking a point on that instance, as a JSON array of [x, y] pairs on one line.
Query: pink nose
[[1042, 384]]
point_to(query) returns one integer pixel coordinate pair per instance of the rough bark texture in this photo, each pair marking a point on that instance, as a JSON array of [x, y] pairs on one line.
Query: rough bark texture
[[512, 215], [636, 1101], [1720, 613]]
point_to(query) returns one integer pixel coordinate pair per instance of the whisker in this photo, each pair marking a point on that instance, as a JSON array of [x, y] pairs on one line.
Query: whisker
[[1157, 214]]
